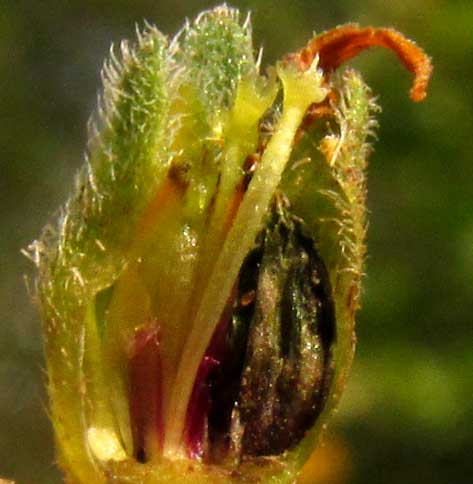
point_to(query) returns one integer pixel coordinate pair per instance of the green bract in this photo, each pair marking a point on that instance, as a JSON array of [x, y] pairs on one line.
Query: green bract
[[199, 290]]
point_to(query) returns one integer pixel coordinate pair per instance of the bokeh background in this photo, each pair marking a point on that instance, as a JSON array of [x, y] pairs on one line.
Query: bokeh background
[[407, 414]]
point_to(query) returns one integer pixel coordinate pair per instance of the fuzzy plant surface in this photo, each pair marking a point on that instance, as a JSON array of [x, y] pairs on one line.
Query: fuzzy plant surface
[[200, 288]]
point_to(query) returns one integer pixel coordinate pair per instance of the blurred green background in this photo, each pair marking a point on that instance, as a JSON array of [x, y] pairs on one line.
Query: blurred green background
[[407, 414]]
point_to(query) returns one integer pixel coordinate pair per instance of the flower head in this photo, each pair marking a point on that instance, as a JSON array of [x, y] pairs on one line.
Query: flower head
[[199, 291]]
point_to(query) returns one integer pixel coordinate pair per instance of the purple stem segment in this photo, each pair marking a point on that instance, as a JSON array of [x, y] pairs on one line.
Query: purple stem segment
[[145, 377], [199, 407], [200, 404], [145, 387]]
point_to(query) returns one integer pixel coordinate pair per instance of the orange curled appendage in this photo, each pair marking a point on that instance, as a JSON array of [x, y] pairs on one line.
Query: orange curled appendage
[[342, 43]]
